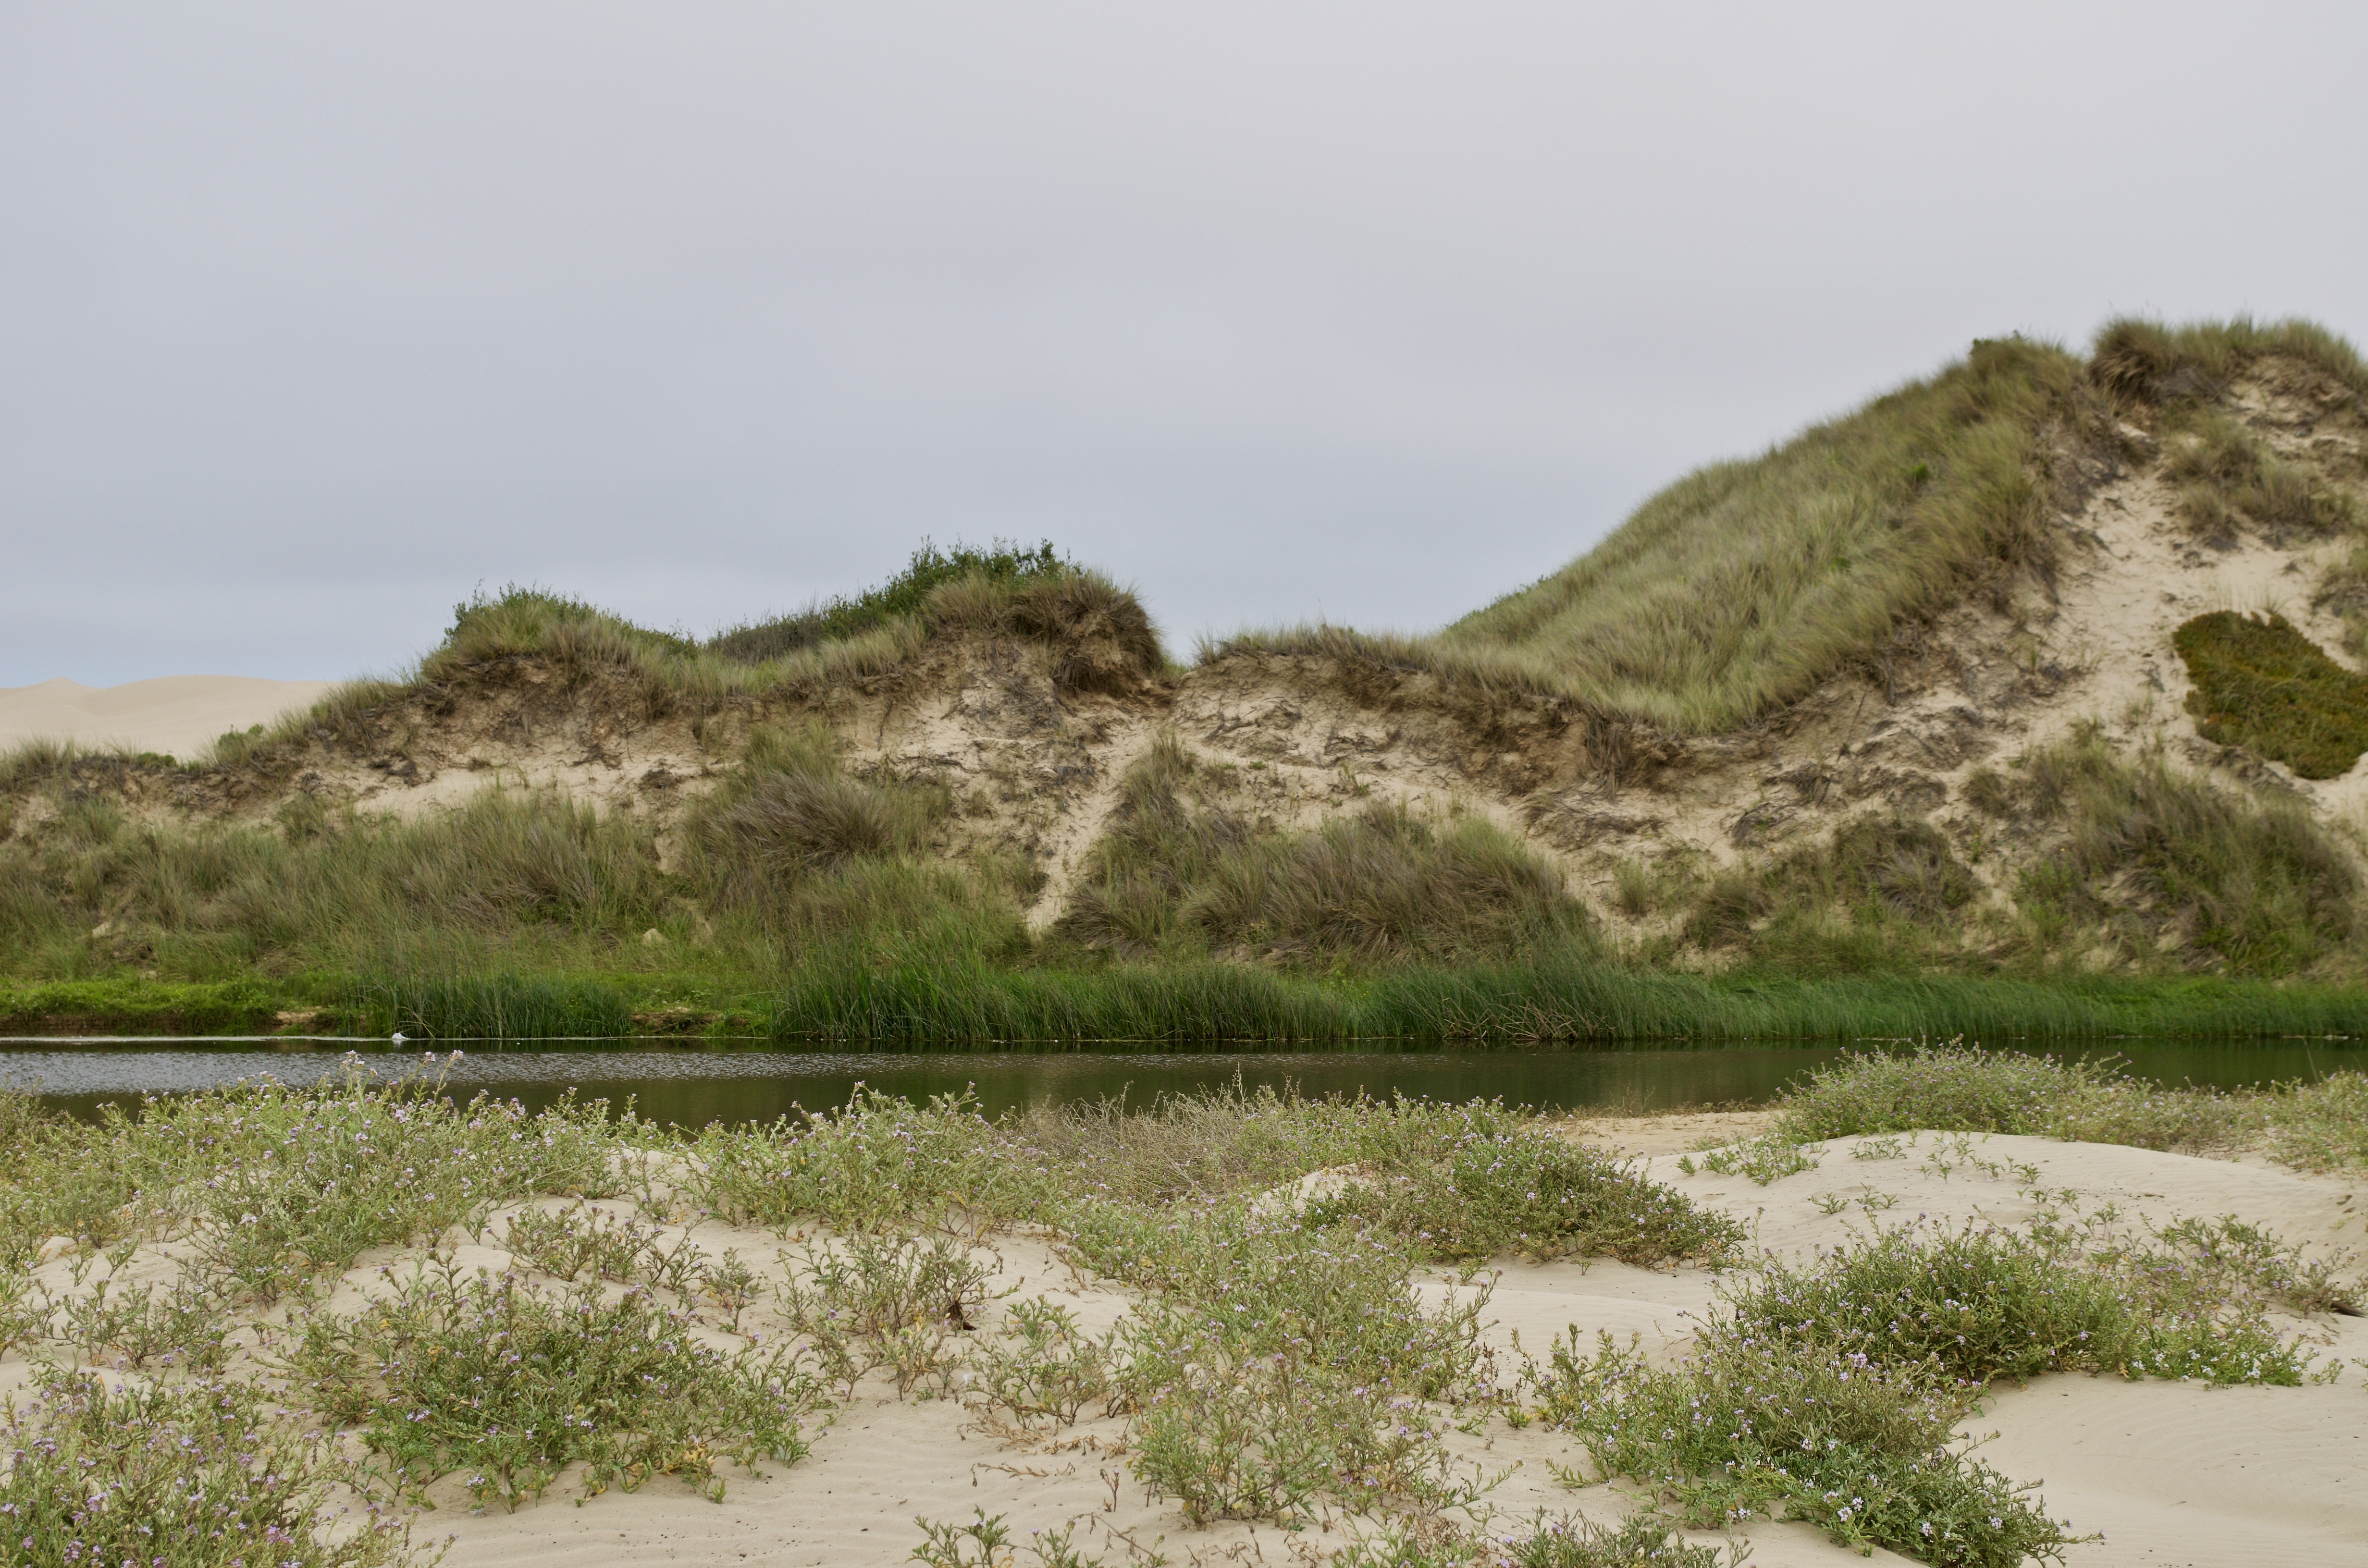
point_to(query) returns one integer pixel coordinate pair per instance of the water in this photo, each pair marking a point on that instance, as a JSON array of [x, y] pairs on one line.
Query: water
[[699, 1084]]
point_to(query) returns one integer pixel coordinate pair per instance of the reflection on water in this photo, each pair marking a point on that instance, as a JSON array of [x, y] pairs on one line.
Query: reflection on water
[[694, 1086]]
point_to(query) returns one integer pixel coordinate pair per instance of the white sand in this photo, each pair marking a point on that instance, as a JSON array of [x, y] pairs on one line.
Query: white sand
[[179, 715], [2168, 1472]]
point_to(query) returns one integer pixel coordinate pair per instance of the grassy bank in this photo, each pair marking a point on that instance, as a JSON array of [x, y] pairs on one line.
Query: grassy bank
[[1566, 1005]]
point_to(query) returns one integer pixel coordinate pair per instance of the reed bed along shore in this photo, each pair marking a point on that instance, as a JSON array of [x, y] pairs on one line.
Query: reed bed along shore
[[1573, 1007]]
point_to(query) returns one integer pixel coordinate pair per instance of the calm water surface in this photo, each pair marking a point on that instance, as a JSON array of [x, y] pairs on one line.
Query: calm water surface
[[694, 1085]]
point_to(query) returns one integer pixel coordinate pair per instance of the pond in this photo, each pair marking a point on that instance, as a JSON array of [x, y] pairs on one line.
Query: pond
[[694, 1085]]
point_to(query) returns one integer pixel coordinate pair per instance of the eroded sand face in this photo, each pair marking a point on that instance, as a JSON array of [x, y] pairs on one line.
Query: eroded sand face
[[2169, 1472]]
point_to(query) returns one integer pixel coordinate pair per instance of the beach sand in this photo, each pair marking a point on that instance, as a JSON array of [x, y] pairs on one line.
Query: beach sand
[[178, 715]]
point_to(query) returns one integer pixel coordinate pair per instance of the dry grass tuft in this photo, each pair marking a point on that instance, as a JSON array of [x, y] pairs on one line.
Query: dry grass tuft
[[2157, 363]]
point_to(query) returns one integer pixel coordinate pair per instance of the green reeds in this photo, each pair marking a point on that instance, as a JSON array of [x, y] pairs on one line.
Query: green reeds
[[1569, 1003]]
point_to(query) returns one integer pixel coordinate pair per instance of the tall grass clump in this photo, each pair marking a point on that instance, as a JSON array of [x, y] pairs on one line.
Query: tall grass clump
[[1180, 874], [789, 811], [901, 599], [2161, 363], [2251, 886], [220, 902], [1883, 892], [2230, 479]]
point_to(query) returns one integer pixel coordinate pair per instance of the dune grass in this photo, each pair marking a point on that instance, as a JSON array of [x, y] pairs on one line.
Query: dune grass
[[1182, 873], [903, 597], [1097, 633], [1746, 583], [2157, 861], [1950, 1087], [1743, 585]]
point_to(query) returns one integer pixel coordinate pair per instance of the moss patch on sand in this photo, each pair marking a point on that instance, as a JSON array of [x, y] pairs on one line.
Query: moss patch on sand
[[2262, 685]]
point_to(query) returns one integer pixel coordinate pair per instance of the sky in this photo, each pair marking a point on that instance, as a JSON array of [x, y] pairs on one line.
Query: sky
[[314, 319]]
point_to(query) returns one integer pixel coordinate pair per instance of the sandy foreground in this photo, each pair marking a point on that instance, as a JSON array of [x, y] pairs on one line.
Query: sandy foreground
[[2167, 1472], [178, 715]]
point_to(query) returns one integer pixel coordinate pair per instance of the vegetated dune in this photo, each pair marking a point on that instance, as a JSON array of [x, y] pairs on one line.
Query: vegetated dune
[[1908, 693], [179, 716]]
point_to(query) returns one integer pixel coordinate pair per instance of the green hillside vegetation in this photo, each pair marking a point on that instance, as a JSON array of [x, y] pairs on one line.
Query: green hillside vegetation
[[808, 904], [805, 900], [1746, 584]]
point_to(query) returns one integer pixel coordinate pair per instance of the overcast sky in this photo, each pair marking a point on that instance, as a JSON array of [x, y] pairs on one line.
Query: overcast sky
[[315, 317]]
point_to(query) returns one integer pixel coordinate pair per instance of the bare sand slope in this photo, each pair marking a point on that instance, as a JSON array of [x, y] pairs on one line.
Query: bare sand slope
[[179, 715]]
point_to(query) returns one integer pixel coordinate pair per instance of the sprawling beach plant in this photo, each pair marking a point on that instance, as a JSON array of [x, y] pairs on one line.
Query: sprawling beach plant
[[1974, 1304], [1276, 1362], [508, 1383], [1507, 1188], [187, 1475], [872, 1300], [1761, 1425], [1643, 1541], [277, 1186], [878, 1163]]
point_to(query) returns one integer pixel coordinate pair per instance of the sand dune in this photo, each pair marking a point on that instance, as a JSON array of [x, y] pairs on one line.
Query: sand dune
[[180, 715]]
